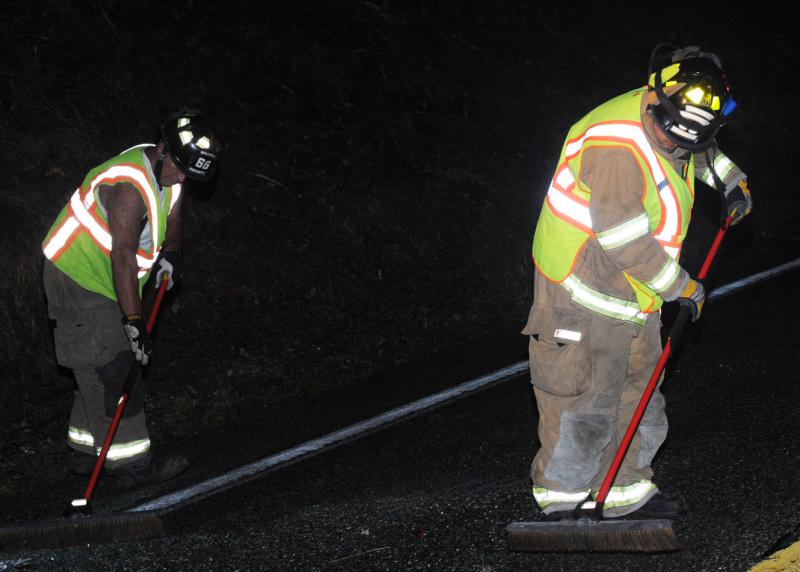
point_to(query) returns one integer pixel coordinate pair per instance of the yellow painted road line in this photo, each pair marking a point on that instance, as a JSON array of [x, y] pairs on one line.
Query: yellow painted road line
[[786, 560]]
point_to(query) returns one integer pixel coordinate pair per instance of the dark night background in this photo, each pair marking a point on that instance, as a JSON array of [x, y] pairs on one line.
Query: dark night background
[[384, 167]]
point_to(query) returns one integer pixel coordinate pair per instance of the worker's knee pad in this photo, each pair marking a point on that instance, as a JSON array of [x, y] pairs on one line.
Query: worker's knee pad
[[113, 375]]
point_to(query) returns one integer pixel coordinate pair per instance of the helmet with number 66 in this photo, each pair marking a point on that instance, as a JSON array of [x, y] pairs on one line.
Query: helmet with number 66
[[193, 144]]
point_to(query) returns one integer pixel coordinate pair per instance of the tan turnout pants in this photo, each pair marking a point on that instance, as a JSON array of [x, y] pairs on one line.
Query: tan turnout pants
[[588, 374]]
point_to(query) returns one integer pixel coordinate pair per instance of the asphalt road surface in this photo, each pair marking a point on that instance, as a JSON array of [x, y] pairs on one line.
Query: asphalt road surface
[[435, 491]]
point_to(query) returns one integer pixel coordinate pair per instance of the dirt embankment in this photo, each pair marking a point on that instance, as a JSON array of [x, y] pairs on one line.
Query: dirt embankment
[[368, 210], [384, 166]]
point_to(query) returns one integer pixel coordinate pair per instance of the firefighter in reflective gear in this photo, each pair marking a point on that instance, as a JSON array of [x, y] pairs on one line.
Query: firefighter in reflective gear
[[606, 251], [120, 224]]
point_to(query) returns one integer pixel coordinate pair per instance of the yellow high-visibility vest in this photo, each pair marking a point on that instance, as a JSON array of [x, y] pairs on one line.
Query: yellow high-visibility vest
[[565, 223], [79, 242]]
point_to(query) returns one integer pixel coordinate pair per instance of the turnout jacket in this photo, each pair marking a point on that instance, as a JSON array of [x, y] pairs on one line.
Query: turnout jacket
[[610, 232]]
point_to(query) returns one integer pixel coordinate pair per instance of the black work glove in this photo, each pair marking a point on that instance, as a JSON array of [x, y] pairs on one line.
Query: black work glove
[[171, 263], [739, 202], [136, 330]]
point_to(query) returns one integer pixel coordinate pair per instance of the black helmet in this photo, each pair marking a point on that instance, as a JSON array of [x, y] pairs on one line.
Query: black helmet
[[692, 115], [193, 144]]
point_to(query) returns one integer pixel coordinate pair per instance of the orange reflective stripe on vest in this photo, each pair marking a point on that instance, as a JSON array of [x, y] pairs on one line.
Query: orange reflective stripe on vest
[[79, 243], [565, 204], [84, 215]]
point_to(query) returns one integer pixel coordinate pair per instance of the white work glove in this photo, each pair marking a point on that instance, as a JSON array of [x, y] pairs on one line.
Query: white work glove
[[170, 263], [136, 331]]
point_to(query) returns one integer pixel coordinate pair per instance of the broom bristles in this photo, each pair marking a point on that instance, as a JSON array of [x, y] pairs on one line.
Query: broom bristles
[[593, 536], [101, 529]]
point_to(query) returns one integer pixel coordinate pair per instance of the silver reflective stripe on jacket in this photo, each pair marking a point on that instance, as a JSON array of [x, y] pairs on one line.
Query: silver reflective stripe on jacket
[[610, 306], [666, 277], [624, 233], [723, 166]]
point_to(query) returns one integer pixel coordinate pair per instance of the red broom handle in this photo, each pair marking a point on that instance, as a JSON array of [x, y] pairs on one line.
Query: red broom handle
[[162, 290], [123, 399], [674, 334], [712, 252]]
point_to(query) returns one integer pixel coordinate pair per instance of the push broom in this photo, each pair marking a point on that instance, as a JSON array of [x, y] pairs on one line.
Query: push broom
[[587, 531], [79, 525]]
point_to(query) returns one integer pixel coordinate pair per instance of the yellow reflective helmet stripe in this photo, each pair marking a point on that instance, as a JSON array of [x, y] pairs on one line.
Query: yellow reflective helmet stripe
[[666, 74]]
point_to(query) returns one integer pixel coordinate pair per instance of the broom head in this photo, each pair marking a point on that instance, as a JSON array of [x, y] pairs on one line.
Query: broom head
[[586, 535], [101, 529]]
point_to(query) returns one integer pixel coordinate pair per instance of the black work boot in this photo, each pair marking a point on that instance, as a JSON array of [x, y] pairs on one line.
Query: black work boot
[[82, 463], [660, 505], [150, 470]]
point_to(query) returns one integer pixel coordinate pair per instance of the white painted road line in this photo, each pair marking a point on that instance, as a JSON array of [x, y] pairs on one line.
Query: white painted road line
[[172, 499], [315, 445], [750, 280]]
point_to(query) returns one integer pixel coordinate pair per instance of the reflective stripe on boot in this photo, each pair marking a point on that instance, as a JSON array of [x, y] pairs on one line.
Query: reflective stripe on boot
[[81, 437], [626, 499], [125, 451], [551, 501]]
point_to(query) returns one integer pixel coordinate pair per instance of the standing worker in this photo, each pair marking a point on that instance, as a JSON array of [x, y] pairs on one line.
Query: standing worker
[[606, 251], [124, 220]]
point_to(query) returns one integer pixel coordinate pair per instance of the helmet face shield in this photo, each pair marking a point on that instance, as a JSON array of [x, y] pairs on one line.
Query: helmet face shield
[[694, 98], [193, 144]]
